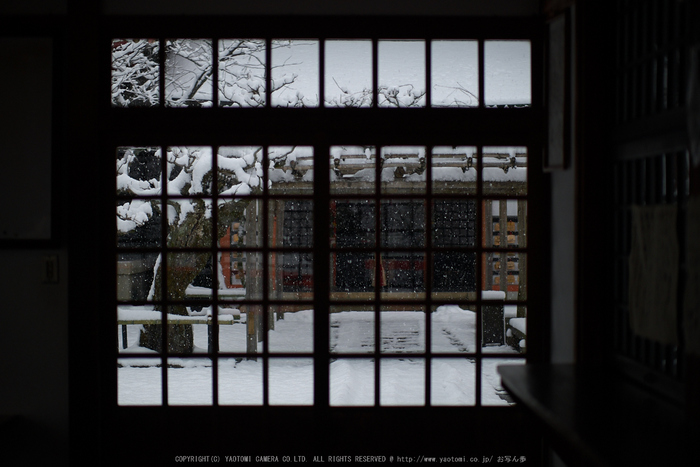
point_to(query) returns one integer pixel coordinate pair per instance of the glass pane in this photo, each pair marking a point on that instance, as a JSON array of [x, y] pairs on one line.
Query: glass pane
[[190, 277], [239, 227], [493, 320], [453, 329], [516, 328], [401, 73], [290, 169], [402, 275], [240, 382], [454, 169], [239, 171], [454, 223], [201, 331], [454, 275], [242, 73], [352, 382], [138, 223], [291, 276], [454, 272], [402, 329], [245, 274], [515, 319], [352, 223], [232, 263], [508, 222], [130, 319], [140, 329], [295, 73], [492, 392], [253, 315], [352, 169], [235, 237], [455, 74], [291, 381], [291, 330], [290, 226], [402, 382], [135, 273], [231, 274], [352, 329], [452, 382], [135, 73], [127, 337], [505, 268], [348, 74], [505, 170], [189, 170], [291, 223], [139, 381], [507, 73], [139, 171], [403, 169], [353, 276], [189, 223], [232, 328], [188, 73], [184, 337], [189, 381], [402, 223]]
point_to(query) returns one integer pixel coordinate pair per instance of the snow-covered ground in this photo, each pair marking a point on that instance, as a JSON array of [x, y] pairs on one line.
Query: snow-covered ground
[[402, 379]]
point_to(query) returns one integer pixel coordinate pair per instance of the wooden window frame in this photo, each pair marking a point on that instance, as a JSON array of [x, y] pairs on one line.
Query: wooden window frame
[[318, 127]]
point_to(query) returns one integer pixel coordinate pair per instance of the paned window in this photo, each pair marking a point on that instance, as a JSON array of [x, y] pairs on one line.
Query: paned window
[[320, 222]]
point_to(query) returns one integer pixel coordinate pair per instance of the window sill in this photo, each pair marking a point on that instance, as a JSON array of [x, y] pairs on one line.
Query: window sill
[[594, 418]]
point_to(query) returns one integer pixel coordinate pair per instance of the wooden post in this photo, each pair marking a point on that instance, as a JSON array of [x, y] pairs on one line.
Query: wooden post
[[251, 338], [522, 259], [487, 232], [503, 243], [253, 275], [276, 271]]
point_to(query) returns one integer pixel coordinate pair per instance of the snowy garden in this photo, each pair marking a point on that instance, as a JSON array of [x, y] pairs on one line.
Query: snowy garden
[[352, 380]]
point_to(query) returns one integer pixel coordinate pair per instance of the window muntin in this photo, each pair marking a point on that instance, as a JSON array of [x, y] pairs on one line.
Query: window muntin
[[284, 184]]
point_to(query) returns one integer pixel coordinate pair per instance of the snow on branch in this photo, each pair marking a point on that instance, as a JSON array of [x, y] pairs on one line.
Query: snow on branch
[[190, 173], [241, 73], [349, 98], [404, 95], [135, 72], [188, 72]]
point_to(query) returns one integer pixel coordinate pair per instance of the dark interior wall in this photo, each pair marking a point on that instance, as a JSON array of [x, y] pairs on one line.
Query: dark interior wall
[[26, 137], [34, 344], [34, 7], [34, 334], [321, 7]]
